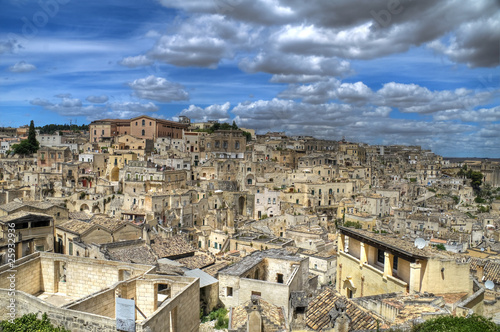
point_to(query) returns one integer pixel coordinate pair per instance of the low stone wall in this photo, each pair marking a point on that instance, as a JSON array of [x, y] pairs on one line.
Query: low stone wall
[[72, 320]]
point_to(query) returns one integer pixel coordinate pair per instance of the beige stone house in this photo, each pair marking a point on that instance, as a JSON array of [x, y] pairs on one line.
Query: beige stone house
[[271, 274], [371, 264]]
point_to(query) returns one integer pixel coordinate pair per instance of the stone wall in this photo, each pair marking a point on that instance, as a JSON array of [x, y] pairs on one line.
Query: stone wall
[[446, 276], [128, 232], [98, 236], [72, 320], [102, 304], [98, 274], [277, 294], [183, 310], [28, 275]]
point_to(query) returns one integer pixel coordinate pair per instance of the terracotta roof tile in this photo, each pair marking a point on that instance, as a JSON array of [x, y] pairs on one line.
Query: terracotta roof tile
[[317, 317]]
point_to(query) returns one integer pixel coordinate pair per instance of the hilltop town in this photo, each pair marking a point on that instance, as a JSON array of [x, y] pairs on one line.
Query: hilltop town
[[176, 220]]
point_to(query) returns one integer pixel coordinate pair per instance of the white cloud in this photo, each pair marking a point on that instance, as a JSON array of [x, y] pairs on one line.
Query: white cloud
[[75, 107], [134, 107], [63, 95], [412, 98], [290, 64], [22, 67], [136, 61], [97, 99], [9, 46], [202, 41], [333, 89], [212, 112], [69, 107], [480, 115], [159, 89]]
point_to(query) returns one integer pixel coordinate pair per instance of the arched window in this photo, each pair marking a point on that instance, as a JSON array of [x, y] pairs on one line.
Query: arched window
[[143, 132], [143, 122]]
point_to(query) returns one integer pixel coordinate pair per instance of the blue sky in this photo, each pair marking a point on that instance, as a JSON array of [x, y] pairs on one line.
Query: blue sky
[[375, 71]]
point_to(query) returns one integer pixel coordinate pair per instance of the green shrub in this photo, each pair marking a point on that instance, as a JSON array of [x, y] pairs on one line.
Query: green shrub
[[356, 224], [479, 200], [30, 322], [220, 317], [441, 247], [457, 324]]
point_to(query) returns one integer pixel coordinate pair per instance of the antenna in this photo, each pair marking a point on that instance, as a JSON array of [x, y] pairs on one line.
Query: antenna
[[489, 284], [420, 243]]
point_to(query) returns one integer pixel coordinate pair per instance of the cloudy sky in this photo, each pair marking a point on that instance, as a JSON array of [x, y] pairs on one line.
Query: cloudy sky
[[375, 71]]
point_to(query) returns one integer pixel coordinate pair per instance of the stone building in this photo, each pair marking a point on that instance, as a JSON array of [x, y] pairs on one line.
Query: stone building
[[33, 232], [372, 264], [271, 274], [82, 294], [142, 126], [225, 144], [48, 157]]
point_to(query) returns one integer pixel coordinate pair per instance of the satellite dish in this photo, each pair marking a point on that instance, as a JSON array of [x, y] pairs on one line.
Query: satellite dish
[[489, 284], [420, 243], [482, 249]]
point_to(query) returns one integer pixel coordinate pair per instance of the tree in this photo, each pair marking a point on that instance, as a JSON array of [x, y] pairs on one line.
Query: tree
[[476, 179], [27, 146], [23, 148], [32, 137]]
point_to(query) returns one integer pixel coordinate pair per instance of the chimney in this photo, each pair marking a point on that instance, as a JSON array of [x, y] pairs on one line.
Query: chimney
[[480, 271]]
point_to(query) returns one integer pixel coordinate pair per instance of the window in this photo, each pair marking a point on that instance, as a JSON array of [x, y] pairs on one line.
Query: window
[[237, 145], [395, 264], [225, 145], [70, 250], [143, 122], [43, 223], [103, 131], [217, 144], [229, 291], [143, 132], [380, 256], [279, 278]]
